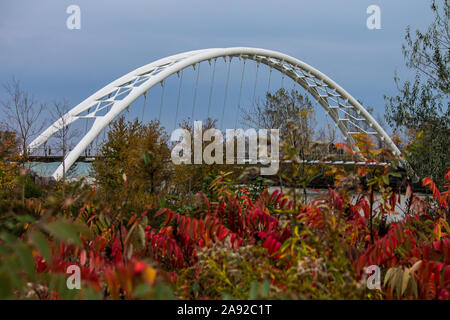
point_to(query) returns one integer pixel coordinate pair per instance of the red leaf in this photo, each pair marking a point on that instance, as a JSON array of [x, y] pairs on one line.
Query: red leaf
[[233, 238], [82, 257], [267, 242], [169, 217], [437, 245], [201, 226], [277, 246], [274, 194], [186, 243], [182, 221], [223, 234], [283, 203], [426, 252], [194, 229], [160, 212], [139, 267], [447, 175], [444, 295], [436, 194]]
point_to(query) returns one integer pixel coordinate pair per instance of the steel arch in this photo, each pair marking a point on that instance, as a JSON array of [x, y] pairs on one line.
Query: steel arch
[[107, 103]]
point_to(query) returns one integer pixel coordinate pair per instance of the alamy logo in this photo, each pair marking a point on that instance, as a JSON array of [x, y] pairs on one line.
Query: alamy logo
[[373, 280], [74, 20], [74, 280], [374, 20], [251, 147]]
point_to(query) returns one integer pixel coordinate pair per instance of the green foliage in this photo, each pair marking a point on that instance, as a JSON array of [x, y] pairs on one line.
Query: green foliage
[[278, 109], [189, 179], [8, 161], [232, 243], [293, 114], [32, 190], [257, 187], [135, 156], [422, 105]]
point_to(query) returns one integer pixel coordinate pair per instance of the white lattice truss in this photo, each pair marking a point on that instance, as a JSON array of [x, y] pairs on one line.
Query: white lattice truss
[[107, 103]]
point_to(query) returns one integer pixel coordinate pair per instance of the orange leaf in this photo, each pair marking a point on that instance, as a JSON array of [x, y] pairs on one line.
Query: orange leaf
[[149, 275], [130, 222]]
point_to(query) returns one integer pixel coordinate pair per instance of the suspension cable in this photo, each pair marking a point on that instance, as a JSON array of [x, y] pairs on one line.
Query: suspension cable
[[240, 95], [143, 107], [180, 82], [212, 86], [270, 76], [85, 129], [295, 81], [256, 81], [195, 91], [104, 135], [226, 93], [162, 101]]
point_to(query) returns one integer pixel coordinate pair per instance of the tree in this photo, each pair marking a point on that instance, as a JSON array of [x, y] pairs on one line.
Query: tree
[[133, 161], [23, 115], [293, 114], [276, 110], [422, 105], [63, 136], [297, 148], [9, 154], [188, 179]]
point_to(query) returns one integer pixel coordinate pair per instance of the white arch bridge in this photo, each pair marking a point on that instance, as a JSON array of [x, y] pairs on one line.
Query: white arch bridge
[[107, 103]]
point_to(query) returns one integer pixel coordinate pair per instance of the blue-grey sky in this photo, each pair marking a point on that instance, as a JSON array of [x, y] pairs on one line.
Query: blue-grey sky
[[116, 37]]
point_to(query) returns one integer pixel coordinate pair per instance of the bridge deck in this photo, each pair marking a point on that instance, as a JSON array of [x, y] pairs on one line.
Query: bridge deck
[[59, 158]]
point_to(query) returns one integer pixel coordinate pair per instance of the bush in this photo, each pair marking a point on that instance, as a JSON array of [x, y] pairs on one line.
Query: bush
[[230, 244]]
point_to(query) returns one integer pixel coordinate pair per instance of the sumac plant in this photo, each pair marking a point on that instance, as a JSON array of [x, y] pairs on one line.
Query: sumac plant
[[230, 244]]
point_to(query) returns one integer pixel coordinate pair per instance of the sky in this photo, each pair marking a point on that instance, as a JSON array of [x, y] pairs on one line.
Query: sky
[[55, 63]]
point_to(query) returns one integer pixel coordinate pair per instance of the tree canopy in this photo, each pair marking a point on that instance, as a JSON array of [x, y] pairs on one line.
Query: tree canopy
[[422, 104]]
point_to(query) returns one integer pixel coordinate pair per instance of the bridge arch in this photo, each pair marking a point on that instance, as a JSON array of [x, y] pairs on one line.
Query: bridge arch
[[107, 103]]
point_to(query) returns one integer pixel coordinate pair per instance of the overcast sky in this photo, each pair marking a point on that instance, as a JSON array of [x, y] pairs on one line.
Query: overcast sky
[[116, 37]]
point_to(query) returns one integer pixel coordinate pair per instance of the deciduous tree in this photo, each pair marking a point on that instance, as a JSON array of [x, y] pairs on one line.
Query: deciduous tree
[[423, 103], [137, 154], [23, 113]]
